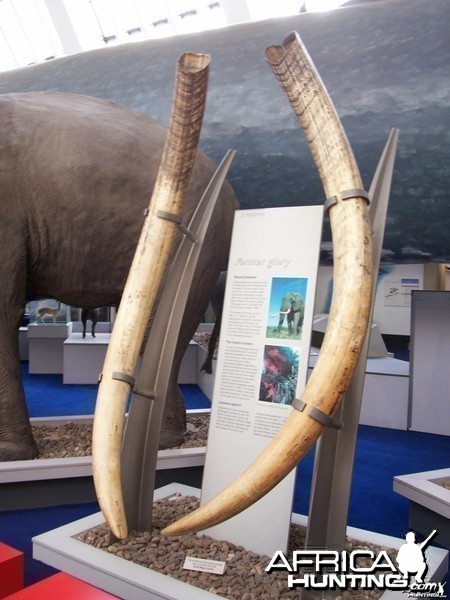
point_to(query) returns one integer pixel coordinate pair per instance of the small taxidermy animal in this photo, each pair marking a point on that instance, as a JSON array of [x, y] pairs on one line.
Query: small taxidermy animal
[[47, 311]]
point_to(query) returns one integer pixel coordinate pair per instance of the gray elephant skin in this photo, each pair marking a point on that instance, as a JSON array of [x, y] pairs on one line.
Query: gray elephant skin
[[293, 309], [76, 174]]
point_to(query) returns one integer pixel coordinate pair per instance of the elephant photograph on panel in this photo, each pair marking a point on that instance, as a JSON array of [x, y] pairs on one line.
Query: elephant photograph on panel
[[279, 374], [286, 308]]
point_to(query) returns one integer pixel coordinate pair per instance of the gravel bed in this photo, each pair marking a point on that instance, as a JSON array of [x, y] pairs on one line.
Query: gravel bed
[[245, 577], [75, 439]]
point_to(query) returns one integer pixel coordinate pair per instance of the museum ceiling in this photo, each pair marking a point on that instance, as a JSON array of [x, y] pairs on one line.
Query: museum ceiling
[[385, 63]]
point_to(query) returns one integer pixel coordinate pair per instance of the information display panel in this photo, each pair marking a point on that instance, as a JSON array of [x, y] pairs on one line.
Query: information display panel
[[262, 361]]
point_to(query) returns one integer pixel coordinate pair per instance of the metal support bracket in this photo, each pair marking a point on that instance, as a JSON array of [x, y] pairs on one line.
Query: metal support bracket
[[333, 467], [298, 404], [346, 195], [124, 377], [148, 394], [324, 419], [162, 214], [317, 414]]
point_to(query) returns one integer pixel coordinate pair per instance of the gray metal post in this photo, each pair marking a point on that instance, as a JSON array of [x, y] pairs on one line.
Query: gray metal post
[[335, 451]]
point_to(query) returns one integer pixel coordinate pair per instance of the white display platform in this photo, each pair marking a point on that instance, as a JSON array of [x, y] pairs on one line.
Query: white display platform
[[83, 359], [426, 489], [67, 468], [429, 502], [45, 347], [130, 581]]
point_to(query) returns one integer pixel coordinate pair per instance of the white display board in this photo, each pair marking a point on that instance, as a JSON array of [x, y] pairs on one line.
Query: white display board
[[262, 365]]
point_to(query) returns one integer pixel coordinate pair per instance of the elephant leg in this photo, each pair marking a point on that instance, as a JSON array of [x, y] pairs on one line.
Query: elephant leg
[[300, 322], [16, 439], [280, 322], [290, 320], [174, 418]]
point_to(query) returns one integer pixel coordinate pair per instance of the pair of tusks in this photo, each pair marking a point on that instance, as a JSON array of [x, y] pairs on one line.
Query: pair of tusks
[[345, 333], [352, 291], [144, 280]]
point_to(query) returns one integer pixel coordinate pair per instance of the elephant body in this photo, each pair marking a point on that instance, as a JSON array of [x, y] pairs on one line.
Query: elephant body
[[293, 308], [76, 174]]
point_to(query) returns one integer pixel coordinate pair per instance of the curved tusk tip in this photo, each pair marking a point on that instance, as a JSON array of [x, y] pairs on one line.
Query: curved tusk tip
[[172, 529], [120, 533], [179, 527], [168, 531]]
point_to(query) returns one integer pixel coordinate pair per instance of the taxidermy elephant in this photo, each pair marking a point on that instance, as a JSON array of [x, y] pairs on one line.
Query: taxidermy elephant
[[293, 308], [76, 175]]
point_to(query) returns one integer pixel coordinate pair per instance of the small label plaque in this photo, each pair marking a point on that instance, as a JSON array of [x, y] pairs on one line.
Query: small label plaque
[[206, 565]]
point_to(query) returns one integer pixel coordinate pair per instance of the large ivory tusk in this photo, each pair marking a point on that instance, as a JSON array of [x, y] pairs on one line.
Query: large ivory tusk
[[349, 312], [143, 282]]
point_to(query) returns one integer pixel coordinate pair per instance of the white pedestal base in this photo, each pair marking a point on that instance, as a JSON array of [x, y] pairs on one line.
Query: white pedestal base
[[429, 502], [130, 581], [62, 468], [45, 347], [84, 357]]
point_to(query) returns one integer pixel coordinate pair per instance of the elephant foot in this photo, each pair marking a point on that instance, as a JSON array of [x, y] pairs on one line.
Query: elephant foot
[[170, 439], [17, 451]]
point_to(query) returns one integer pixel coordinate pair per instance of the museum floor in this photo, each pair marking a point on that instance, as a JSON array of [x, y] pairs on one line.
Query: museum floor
[[381, 454]]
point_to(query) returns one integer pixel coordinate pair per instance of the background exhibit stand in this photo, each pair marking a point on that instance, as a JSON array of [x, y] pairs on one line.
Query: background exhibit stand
[[429, 401]]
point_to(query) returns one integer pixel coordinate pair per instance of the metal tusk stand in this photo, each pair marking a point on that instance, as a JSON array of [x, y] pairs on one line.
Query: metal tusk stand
[[335, 451], [141, 438], [333, 466]]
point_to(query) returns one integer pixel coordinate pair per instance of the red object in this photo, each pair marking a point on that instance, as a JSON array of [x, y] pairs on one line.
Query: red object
[[61, 587], [11, 570]]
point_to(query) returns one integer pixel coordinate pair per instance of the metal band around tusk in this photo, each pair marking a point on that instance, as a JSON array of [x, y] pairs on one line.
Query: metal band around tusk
[[316, 414], [346, 195], [124, 377], [322, 418], [298, 404], [162, 214]]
